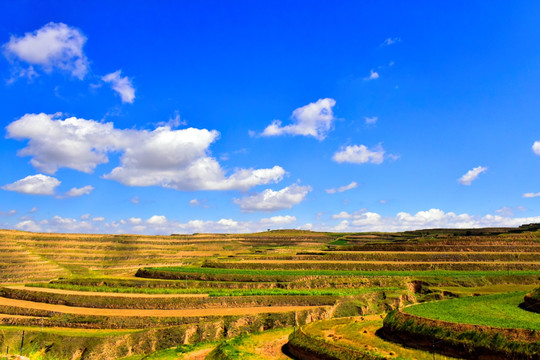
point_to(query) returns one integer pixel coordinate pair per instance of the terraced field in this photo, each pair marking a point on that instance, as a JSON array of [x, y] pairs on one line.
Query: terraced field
[[170, 295]]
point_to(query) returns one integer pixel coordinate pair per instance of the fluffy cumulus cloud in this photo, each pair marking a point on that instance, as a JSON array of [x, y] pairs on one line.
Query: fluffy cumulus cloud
[[471, 175], [28, 225], [54, 46], [343, 188], [34, 184], [157, 220], [434, 218], [359, 154], [315, 119], [177, 159], [270, 200], [122, 85], [531, 195]]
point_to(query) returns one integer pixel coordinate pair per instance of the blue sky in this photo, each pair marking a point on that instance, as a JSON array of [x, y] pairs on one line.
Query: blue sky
[[213, 116]]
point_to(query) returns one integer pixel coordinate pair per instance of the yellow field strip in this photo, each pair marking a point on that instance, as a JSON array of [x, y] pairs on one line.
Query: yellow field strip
[[111, 294], [378, 262], [157, 313], [431, 252], [6, 316]]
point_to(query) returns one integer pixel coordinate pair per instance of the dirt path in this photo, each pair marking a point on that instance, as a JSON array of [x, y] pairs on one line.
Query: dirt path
[[157, 313], [197, 354], [97, 293]]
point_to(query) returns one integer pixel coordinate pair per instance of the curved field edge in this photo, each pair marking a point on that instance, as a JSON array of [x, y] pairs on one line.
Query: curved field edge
[[256, 346], [496, 310], [531, 302], [461, 340], [349, 338], [303, 346]]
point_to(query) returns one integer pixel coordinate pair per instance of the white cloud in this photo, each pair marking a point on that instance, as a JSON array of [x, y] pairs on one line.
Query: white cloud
[[343, 188], [98, 218], [157, 220], [28, 225], [74, 192], [342, 215], [72, 143], [122, 85], [54, 46], [373, 75], [471, 175], [85, 216], [34, 209], [8, 213], [270, 200], [531, 195], [371, 120], [194, 202], [278, 220], [536, 147], [509, 211], [177, 159], [359, 154], [34, 184], [315, 119], [391, 41], [134, 220], [434, 218]]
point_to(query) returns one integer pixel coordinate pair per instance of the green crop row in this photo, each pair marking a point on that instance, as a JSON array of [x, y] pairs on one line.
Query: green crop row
[[405, 257], [427, 247], [218, 292], [375, 266], [219, 274]]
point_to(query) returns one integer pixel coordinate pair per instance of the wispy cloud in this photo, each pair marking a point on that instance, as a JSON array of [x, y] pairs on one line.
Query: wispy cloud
[[340, 189], [390, 41], [471, 175], [371, 120], [373, 75], [122, 85]]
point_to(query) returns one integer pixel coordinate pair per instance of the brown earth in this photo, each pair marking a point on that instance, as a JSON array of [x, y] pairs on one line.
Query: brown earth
[[157, 313], [96, 293]]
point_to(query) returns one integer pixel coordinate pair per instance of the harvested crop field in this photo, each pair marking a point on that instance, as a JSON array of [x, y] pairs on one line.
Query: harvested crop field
[[147, 313]]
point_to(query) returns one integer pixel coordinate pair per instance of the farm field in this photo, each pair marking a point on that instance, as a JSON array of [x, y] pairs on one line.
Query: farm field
[[359, 335], [497, 310], [227, 296]]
